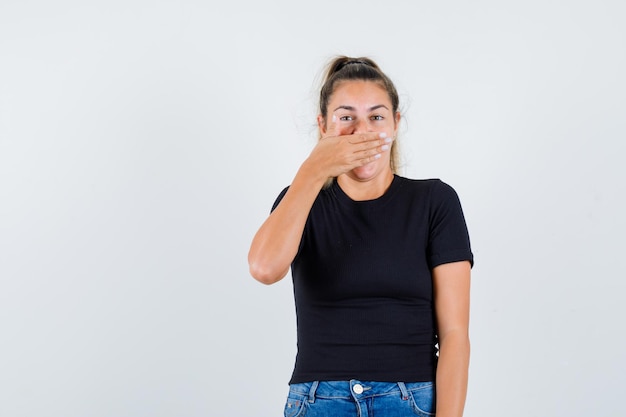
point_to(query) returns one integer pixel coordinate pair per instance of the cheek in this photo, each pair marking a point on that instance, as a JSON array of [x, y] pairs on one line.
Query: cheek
[[388, 127], [393, 126], [345, 128]]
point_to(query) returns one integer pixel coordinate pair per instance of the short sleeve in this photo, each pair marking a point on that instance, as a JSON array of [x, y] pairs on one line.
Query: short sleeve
[[279, 198], [448, 239]]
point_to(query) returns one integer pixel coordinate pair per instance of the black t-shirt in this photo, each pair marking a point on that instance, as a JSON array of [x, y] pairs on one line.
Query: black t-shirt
[[362, 281]]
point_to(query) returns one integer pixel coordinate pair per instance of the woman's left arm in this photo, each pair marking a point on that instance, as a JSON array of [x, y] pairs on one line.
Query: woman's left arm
[[451, 296]]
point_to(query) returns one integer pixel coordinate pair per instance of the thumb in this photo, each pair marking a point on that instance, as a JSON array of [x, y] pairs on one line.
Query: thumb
[[336, 129], [333, 128]]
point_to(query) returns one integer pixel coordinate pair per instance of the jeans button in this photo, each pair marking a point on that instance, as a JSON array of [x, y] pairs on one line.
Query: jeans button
[[357, 388]]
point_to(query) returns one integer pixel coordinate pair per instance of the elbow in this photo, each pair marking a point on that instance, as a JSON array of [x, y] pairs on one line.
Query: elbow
[[456, 343], [264, 274], [266, 267]]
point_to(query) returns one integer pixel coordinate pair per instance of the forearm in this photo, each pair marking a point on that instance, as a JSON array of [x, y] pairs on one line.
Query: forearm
[[276, 243], [452, 374]]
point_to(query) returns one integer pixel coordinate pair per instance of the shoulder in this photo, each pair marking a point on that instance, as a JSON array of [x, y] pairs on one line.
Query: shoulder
[[434, 193], [433, 186]]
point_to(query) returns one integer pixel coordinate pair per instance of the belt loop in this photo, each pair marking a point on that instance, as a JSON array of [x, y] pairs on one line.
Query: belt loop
[[312, 391], [404, 391]]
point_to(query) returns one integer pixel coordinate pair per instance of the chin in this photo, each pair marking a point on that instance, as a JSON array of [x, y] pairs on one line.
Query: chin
[[366, 172]]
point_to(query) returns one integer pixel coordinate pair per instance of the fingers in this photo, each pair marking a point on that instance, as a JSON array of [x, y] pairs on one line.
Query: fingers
[[360, 138], [373, 150], [369, 150], [385, 141], [380, 142]]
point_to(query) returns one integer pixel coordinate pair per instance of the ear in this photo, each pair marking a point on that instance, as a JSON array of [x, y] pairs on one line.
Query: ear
[[321, 124], [397, 123]]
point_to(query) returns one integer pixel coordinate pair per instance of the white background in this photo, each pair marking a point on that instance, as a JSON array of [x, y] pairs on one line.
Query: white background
[[143, 142]]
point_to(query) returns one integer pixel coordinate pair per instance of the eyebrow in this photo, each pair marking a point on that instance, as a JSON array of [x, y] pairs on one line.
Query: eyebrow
[[350, 108]]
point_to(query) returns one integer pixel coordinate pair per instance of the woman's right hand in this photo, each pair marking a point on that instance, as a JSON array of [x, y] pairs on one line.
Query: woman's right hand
[[337, 152]]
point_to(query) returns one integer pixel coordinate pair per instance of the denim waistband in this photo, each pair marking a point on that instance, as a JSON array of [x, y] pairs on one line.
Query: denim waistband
[[356, 389]]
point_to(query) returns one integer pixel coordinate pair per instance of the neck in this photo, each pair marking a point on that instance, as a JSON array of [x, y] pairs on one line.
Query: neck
[[362, 190]]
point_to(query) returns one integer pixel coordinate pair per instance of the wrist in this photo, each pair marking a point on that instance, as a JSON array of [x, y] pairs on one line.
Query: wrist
[[311, 173]]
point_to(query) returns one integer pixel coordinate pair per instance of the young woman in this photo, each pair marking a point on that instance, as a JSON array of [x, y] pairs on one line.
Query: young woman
[[380, 265]]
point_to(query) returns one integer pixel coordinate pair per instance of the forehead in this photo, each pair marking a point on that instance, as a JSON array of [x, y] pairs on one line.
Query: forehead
[[362, 91]]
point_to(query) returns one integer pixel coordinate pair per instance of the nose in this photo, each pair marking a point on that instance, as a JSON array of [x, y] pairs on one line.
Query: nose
[[361, 125]]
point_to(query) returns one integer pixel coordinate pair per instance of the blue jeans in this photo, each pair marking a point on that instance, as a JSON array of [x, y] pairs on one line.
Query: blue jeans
[[360, 399]]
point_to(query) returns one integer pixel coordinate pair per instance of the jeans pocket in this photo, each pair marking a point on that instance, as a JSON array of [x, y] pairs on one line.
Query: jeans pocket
[[423, 400], [295, 406]]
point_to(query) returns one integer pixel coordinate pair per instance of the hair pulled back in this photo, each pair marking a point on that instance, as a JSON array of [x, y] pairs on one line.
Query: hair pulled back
[[344, 68]]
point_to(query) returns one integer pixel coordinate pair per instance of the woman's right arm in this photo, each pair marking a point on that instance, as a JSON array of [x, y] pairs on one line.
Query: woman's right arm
[[276, 243]]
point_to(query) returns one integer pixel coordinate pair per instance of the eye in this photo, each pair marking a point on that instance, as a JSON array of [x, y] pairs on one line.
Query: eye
[[346, 118], [377, 117]]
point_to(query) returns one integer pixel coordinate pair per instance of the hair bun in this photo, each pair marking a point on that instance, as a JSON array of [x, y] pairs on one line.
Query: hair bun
[[351, 61]]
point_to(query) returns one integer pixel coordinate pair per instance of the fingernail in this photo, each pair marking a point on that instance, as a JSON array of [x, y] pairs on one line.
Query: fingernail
[[334, 118], [384, 147], [388, 140], [382, 135], [377, 156]]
